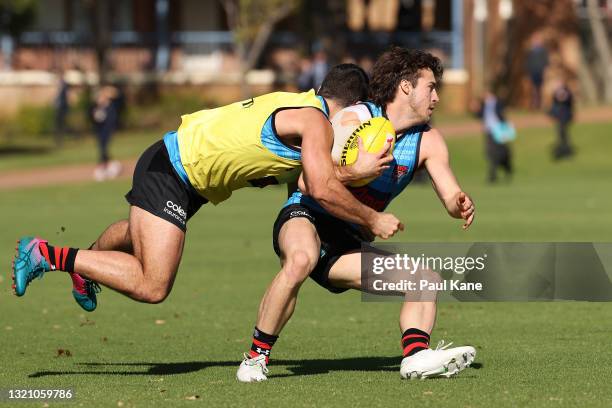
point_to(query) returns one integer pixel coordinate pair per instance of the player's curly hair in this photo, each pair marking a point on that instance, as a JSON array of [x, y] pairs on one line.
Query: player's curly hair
[[397, 64]]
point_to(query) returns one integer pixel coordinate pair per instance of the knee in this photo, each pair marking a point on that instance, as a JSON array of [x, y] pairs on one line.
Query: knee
[[153, 293], [153, 296], [297, 267]]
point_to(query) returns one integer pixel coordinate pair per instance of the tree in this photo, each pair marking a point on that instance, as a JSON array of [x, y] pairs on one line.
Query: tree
[[100, 32], [252, 22], [602, 46], [557, 22], [15, 17]]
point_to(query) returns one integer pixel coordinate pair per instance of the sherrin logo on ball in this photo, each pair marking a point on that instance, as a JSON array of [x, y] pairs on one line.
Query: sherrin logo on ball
[[375, 134]]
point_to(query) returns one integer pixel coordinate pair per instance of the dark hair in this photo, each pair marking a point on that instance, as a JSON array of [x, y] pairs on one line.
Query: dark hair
[[347, 84], [397, 64]]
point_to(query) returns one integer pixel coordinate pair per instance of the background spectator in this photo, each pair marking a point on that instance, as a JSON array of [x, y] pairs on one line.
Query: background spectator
[[536, 63], [314, 71], [491, 111], [562, 111], [105, 113]]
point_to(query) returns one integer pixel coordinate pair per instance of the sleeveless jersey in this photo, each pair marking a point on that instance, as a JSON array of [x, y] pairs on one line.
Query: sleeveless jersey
[[235, 146], [380, 191]]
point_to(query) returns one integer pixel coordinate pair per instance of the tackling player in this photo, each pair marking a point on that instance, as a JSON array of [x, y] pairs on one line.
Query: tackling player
[[312, 242], [265, 140]]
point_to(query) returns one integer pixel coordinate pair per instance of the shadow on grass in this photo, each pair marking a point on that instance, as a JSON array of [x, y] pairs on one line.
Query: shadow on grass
[[297, 367]]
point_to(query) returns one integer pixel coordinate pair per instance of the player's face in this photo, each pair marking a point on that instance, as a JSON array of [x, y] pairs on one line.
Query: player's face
[[424, 96]]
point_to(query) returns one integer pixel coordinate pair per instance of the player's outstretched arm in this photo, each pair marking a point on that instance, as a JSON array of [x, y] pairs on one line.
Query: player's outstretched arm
[[457, 203], [319, 174]]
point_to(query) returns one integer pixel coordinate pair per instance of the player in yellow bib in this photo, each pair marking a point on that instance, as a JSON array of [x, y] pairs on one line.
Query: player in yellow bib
[[234, 146], [265, 140]]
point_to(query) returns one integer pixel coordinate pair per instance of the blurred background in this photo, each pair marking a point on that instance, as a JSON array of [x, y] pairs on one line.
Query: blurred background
[[70, 68], [87, 85]]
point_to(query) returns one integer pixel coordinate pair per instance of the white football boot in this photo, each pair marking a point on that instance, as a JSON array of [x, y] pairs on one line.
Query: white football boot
[[441, 362], [252, 369]]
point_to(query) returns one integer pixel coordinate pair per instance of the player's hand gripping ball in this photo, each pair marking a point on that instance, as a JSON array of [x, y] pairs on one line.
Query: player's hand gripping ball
[[374, 134]]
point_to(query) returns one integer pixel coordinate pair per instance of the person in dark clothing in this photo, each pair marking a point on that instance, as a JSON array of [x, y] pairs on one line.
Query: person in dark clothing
[[536, 63], [313, 71], [491, 112], [562, 111], [105, 114]]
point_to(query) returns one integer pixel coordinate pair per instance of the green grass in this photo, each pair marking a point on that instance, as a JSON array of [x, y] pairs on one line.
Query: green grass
[[32, 152], [336, 351]]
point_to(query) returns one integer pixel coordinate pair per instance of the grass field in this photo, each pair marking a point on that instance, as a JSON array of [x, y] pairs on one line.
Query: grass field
[[33, 152], [336, 351]]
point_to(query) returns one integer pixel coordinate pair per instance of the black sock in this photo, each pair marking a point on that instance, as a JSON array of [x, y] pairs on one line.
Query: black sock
[[262, 344], [413, 341]]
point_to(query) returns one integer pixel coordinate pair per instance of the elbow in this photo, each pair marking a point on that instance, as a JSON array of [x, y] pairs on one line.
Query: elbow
[[319, 192]]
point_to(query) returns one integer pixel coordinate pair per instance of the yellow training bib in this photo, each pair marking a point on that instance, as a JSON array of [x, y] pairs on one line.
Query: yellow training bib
[[221, 149]]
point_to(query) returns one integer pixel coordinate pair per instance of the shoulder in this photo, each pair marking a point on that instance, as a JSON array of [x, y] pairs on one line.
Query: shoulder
[[291, 121], [433, 135], [355, 113], [300, 112], [433, 143]]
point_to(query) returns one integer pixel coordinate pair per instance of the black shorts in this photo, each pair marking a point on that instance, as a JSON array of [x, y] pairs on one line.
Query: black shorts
[[156, 188], [337, 239]]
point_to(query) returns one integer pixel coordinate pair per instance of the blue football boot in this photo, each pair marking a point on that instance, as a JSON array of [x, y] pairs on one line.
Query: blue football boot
[[84, 292], [29, 263]]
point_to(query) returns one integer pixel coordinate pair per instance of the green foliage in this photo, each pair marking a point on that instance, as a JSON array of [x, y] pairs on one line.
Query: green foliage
[[165, 113], [18, 15], [34, 120], [162, 114]]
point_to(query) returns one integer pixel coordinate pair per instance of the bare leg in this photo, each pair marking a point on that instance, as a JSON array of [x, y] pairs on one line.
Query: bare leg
[[146, 276], [115, 238], [346, 273], [300, 246]]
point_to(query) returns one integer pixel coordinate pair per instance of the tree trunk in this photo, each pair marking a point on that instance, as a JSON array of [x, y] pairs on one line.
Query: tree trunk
[[249, 52], [587, 82], [101, 37], [602, 46]]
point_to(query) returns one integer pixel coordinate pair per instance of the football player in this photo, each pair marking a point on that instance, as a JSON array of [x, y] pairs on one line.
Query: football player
[[310, 241], [265, 140]]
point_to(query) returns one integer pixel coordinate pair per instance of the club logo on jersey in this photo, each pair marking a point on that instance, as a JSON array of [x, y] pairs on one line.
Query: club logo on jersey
[[399, 172]]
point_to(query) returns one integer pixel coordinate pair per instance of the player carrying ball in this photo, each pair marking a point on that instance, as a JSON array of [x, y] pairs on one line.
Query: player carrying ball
[[265, 140], [312, 242]]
